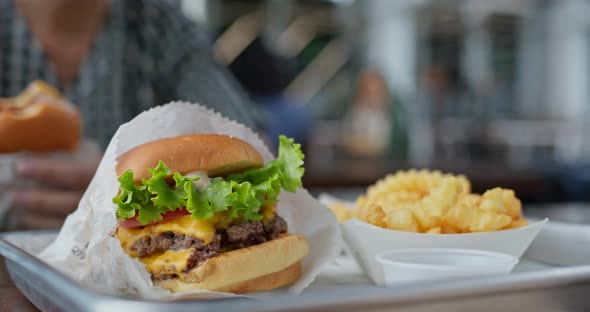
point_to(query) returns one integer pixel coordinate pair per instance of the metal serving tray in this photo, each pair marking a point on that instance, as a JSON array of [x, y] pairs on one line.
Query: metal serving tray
[[554, 275]]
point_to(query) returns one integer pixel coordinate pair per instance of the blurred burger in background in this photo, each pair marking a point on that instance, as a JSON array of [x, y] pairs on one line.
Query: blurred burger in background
[[39, 119]]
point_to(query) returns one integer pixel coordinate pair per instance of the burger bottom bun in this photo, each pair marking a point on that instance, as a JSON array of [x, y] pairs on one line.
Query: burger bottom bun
[[270, 265]]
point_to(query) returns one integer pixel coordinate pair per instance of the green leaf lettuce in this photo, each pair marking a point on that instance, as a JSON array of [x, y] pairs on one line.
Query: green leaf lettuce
[[242, 194]]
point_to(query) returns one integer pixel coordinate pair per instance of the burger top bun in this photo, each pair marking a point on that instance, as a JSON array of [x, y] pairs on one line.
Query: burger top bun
[[38, 119], [216, 154]]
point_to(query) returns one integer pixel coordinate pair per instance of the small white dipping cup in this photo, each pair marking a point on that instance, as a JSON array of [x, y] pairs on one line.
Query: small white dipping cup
[[402, 266]]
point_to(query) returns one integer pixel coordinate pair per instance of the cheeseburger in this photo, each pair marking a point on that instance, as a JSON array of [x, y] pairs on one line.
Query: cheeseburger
[[38, 119], [199, 211]]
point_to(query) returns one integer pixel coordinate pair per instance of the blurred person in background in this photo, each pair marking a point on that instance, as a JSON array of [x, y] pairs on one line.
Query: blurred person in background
[[113, 59], [374, 127]]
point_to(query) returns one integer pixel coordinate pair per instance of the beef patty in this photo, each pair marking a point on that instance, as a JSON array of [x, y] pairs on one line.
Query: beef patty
[[236, 236], [148, 245]]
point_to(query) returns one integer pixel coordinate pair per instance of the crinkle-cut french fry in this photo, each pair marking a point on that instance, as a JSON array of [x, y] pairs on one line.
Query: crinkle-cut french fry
[[390, 201], [449, 229], [512, 204], [436, 230], [465, 184], [402, 220], [342, 211], [470, 200], [470, 219], [373, 214], [430, 210], [492, 201], [517, 223]]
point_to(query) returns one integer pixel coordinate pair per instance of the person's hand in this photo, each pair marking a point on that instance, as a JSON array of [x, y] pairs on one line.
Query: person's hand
[[59, 187]]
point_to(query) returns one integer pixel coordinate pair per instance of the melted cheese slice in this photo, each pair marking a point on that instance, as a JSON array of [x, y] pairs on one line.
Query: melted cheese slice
[[175, 261], [202, 229], [268, 213], [169, 262]]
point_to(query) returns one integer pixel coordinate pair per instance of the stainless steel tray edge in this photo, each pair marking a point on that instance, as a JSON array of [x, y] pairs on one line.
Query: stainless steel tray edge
[[564, 289], [35, 279]]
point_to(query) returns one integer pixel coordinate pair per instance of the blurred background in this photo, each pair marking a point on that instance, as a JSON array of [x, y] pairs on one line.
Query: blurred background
[[497, 90]]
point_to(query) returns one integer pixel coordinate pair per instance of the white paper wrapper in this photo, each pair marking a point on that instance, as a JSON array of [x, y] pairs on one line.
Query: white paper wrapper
[[85, 250], [366, 241]]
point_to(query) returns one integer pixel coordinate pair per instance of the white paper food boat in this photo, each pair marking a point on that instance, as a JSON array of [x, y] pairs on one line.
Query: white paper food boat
[[366, 241]]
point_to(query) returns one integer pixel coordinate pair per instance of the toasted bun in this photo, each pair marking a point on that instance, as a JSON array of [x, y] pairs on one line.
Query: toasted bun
[[215, 154], [270, 265], [48, 123]]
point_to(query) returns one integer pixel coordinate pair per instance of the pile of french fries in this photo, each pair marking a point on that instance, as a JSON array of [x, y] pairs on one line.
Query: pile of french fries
[[433, 202]]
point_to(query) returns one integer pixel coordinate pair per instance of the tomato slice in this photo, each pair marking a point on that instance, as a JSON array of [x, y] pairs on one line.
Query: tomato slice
[[170, 215]]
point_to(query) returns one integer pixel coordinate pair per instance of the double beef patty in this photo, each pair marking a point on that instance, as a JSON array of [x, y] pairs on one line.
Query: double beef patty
[[236, 236]]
